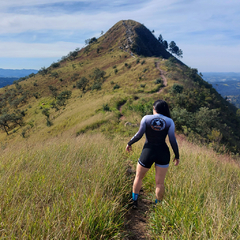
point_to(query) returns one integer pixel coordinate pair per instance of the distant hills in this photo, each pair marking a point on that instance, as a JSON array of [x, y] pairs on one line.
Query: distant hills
[[16, 73], [212, 77], [6, 81], [227, 84], [8, 76]]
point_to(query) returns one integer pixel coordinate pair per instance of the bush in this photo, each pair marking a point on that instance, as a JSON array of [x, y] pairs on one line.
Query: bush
[[176, 88], [55, 65], [97, 86], [82, 83], [106, 107], [158, 81], [116, 87]]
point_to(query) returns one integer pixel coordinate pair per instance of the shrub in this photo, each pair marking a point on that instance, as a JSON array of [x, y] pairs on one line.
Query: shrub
[[55, 65], [116, 86], [82, 83], [106, 107], [176, 88], [158, 81], [97, 86]]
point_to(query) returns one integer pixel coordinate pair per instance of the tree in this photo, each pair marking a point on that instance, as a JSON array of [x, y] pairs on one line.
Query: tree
[[176, 88], [62, 97], [53, 91], [82, 83], [4, 121], [160, 39], [165, 44], [180, 53], [173, 48]]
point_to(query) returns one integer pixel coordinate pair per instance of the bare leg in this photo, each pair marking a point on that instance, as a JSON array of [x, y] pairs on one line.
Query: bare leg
[[159, 178], [140, 173]]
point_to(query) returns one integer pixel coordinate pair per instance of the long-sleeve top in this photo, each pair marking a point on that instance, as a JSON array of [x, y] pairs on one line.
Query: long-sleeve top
[[156, 127]]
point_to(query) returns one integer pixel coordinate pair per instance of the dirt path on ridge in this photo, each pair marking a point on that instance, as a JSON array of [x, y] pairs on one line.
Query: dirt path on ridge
[[162, 75], [137, 220]]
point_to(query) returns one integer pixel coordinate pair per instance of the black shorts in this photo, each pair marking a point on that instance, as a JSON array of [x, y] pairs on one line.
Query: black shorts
[[154, 153]]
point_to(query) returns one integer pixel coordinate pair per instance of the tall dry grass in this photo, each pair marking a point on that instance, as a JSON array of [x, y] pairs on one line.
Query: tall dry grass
[[63, 189], [202, 199]]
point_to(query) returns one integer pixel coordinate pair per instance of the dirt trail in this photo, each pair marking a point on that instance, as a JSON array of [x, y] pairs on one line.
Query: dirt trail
[[162, 74], [137, 220]]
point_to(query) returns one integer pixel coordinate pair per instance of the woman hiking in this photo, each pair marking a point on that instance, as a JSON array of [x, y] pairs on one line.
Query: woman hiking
[[155, 150]]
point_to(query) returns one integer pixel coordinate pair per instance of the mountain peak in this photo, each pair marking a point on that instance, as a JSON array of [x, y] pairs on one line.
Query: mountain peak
[[132, 36]]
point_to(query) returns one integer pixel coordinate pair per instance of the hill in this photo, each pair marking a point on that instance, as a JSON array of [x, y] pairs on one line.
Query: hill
[[229, 90], [16, 73], [6, 81], [213, 77], [227, 84], [63, 131], [112, 68]]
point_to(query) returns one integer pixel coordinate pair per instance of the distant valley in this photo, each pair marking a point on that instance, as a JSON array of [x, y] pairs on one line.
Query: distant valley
[[227, 84], [8, 76], [6, 81]]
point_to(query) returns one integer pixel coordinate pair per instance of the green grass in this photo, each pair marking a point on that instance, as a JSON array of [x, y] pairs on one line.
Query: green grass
[[63, 189], [54, 185], [202, 198]]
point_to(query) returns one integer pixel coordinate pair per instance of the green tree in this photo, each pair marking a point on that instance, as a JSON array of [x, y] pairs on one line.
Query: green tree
[[4, 121], [173, 48], [176, 88], [53, 91], [160, 39], [62, 97], [165, 44], [82, 83]]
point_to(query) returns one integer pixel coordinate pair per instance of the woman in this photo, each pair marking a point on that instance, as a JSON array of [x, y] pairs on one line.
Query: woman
[[156, 127]]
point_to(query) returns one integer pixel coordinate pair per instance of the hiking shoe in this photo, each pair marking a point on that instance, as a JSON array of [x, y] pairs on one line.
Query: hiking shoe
[[134, 204]]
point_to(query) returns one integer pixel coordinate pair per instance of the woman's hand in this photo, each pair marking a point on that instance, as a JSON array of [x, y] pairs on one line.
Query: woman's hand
[[128, 148], [176, 161]]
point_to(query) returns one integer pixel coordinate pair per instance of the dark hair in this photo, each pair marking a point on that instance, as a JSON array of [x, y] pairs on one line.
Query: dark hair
[[161, 107]]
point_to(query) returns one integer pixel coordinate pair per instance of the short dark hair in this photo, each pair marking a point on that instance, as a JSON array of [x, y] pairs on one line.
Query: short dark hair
[[161, 107]]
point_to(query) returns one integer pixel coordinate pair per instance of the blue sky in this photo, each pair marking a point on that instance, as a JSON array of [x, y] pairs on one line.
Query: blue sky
[[34, 34]]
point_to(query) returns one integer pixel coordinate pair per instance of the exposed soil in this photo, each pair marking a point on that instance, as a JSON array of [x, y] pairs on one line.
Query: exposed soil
[[162, 74], [137, 220]]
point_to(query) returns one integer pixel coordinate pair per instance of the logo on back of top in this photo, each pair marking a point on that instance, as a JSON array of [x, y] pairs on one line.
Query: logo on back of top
[[158, 124]]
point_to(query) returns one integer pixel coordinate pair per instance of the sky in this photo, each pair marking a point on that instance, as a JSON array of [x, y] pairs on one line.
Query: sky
[[34, 34]]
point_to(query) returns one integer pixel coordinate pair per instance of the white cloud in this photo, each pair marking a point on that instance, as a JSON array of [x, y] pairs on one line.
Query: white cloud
[[195, 24], [36, 50]]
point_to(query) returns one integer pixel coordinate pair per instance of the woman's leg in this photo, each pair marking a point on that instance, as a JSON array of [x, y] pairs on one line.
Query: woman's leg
[[159, 178], [140, 173]]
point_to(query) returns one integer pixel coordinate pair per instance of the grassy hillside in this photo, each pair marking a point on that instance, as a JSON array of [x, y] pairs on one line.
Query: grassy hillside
[[63, 133]]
